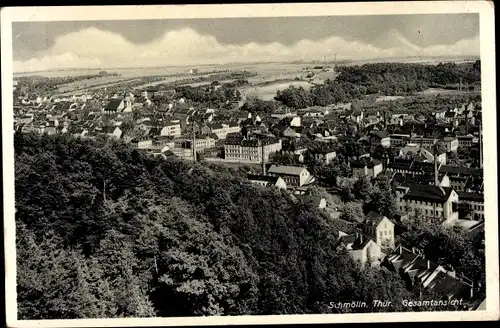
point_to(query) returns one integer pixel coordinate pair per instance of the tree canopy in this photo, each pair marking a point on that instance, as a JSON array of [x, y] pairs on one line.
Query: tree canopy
[[107, 231]]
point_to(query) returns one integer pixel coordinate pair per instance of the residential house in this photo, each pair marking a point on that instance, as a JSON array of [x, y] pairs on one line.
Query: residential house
[[291, 121], [366, 167], [451, 144], [363, 249], [417, 270], [399, 118], [168, 129], [142, 143], [380, 229], [119, 105], [381, 138], [399, 139], [463, 178], [149, 93], [423, 154], [163, 142], [325, 156], [112, 132], [428, 201], [223, 129], [355, 115], [450, 116], [439, 114], [293, 175], [474, 202], [267, 180], [411, 167]]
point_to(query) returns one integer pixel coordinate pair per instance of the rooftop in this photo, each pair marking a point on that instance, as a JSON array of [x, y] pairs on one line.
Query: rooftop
[[286, 170], [428, 193], [471, 196], [258, 177]]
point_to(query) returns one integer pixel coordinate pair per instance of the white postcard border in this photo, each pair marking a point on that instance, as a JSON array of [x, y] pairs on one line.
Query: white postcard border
[[487, 42]]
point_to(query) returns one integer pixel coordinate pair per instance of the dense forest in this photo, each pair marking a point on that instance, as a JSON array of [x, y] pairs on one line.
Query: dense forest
[[390, 79], [106, 231]]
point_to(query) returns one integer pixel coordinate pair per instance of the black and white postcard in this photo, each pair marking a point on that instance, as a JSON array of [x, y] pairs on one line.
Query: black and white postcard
[[249, 164]]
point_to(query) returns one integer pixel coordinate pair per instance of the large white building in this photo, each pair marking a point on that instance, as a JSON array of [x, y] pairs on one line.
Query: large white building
[[183, 147], [293, 175], [251, 150], [428, 201]]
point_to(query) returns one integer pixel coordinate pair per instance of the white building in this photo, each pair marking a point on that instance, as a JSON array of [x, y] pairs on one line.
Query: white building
[[142, 143], [293, 175], [243, 149], [267, 180], [380, 228], [428, 201]]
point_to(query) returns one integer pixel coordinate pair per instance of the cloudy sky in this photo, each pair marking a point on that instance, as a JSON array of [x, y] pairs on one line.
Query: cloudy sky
[[112, 44]]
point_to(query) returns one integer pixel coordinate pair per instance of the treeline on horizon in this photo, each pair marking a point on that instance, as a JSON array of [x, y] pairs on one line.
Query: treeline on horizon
[[390, 79], [103, 230], [41, 85]]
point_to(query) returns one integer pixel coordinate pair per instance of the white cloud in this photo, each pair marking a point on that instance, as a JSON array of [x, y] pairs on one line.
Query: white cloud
[[92, 48]]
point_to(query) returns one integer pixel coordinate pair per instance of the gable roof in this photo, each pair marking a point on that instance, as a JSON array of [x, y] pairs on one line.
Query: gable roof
[[365, 162], [379, 134], [344, 226], [457, 170], [109, 129], [114, 104], [428, 193], [286, 170], [471, 196], [267, 178], [361, 243], [374, 218]]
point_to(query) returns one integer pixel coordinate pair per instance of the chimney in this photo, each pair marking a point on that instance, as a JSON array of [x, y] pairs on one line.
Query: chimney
[[436, 174], [400, 250], [428, 264]]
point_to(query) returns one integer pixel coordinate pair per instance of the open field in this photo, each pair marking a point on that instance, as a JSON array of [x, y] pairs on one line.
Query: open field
[[95, 87], [186, 78], [269, 78], [89, 83], [388, 98]]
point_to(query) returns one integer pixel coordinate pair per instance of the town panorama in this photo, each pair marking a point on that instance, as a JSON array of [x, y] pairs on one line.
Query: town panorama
[[326, 183]]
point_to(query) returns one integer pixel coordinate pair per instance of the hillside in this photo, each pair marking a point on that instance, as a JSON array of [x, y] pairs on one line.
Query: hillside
[[106, 231]]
